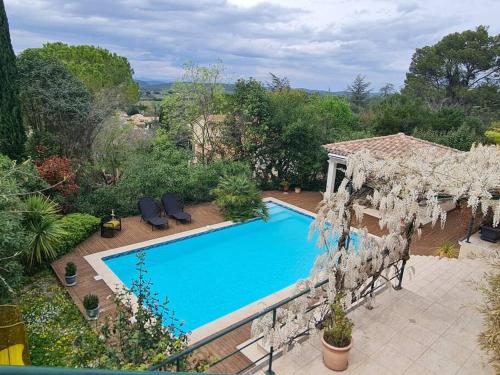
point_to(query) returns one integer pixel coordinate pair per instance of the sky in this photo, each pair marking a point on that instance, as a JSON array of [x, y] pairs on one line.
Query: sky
[[317, 44]]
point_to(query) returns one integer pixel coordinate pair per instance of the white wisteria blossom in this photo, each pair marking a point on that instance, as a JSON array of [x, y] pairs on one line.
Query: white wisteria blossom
[[408, 193]]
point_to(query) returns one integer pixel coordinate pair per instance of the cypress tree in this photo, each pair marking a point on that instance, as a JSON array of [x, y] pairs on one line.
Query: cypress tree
[[12, 135]]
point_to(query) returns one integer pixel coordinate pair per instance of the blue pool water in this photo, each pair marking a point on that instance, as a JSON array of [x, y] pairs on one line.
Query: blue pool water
[[210, 275]]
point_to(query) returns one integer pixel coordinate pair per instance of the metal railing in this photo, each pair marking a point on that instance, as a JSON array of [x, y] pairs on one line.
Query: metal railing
[[175, 361], [34, 370]]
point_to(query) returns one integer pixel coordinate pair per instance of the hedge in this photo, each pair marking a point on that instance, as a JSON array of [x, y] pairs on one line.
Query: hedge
[[78, 227]]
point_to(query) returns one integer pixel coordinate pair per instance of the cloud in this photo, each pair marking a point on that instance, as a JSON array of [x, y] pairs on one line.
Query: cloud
[[317, 44]]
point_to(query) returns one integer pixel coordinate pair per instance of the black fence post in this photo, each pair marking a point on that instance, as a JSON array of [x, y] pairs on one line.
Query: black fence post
[[469, 229], [400, 277], [271, 350]]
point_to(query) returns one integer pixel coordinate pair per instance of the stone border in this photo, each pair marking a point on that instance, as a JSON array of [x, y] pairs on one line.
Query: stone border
[[96, 260]]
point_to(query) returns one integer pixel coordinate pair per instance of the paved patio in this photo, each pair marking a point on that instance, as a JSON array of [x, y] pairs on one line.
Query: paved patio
[[429, 327]]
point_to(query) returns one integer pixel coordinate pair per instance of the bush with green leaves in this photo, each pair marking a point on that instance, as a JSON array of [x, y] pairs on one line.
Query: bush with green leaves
[[338, 327], [16, 180], [239, 199], [153, 171], [78, 227], [58, 334], [70, 269], [45, 232], [153, 334], [91, 301]]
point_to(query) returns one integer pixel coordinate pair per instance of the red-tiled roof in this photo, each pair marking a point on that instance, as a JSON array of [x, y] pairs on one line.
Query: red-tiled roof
[[395, 145]]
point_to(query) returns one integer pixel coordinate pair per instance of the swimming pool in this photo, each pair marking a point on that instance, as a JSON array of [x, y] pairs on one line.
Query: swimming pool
[[209, 275]]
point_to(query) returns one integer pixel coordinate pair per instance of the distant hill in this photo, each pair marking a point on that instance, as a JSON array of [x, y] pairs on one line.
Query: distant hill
[[153, 90]]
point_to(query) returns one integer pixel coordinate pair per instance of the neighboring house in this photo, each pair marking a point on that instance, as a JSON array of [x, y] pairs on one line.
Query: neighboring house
[[206, 135], [141, 121]]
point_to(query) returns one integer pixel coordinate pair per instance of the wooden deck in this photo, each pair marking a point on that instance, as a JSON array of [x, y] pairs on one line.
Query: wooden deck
[[204, 214]]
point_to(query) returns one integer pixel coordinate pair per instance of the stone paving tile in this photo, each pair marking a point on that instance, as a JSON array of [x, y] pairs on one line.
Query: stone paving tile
[[453, 350], [407, 346], [417, 369], [391, 357], [437, 363], [477, 364], [420, 334]]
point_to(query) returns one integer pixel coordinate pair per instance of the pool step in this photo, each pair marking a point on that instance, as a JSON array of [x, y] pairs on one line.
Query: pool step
[[254, 351]]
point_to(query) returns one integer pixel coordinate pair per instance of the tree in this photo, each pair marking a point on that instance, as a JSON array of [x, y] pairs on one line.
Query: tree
[[189, 111], [245, 128], [56, 105], [278, 83], [359, 92], [100, 70], [445, 72], [399, 113], [12, 134], [61, 113], [387, 90], [334, 118]]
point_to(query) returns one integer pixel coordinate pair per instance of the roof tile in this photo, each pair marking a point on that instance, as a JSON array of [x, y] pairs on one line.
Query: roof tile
[[395, 145]]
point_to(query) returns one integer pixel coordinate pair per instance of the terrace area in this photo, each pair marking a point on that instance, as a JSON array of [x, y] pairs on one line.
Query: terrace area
[[429, 327]]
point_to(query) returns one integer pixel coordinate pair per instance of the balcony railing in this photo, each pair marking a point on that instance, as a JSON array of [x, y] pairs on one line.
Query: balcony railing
[[175, 361], [33, 370]]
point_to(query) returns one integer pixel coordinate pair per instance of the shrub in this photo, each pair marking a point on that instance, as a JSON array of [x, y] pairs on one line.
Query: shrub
[[58, 173], [338, 327], [151, 336], [58, 334], [70, 269], [159, 169], [447, 250], [239, 199], [90, 301], [45, 230], [78, 227]]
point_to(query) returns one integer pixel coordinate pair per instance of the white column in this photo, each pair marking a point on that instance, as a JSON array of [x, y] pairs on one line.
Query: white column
[[330, 178]]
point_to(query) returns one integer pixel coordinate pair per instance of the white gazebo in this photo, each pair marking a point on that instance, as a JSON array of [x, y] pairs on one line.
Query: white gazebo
[[389, 146]]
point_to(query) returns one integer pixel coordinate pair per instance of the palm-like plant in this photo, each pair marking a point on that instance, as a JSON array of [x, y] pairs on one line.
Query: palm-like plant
[[239, 199], [41, 222], [447, 250]]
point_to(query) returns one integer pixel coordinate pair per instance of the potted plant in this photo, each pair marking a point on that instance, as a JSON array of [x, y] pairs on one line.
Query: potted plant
[[297, 184], [336, 338], [70, 275], [91, 305], [285, 186]]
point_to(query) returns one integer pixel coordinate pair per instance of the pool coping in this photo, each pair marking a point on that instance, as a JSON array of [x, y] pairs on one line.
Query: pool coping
[[96, 261]]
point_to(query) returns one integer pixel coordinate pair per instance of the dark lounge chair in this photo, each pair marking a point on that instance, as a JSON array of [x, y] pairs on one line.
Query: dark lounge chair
[[150, 213], [174, 207]]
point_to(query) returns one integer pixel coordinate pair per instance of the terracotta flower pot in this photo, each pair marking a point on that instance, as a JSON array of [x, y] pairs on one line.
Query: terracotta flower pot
[[335, 358]]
